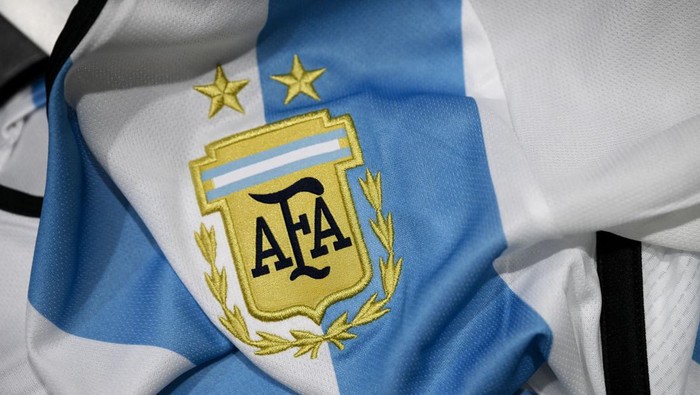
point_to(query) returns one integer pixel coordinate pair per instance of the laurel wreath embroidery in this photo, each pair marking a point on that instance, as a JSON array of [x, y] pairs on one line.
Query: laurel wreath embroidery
[[305, 341]]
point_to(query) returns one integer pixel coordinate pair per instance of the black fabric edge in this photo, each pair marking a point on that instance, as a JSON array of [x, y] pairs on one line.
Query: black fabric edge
[[20, 203], [622, 325], [79, 22]]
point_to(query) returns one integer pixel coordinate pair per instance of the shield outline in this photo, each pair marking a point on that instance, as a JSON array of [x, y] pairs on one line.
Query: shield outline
[[206, 208]]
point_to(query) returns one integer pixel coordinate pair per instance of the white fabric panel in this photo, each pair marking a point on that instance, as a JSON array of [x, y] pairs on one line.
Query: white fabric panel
[[69, 364], [679, 229], [558, 279], [20, 379], [604, 100], [144, 122], [23, 144], [40, 20], [25, 169], [672, 311], [525, 215], [693, 384], [17, 238], [12, 117]]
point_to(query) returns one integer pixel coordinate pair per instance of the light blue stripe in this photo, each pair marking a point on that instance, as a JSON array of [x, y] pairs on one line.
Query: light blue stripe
[[276, 173], [225, 376], [271, 153], [38, 93]]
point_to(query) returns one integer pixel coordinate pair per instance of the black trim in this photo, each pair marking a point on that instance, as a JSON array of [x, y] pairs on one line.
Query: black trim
[[79, 22], [622, 328], [20, 203]]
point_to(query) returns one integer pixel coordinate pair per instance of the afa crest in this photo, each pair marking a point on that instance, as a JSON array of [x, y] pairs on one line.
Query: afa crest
[[289, 217], [290, 220]]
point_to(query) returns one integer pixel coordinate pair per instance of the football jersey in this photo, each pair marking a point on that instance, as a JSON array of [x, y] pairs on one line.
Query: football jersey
[[385, 197]]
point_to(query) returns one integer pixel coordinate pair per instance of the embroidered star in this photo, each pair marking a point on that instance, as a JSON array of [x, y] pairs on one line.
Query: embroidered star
[[299, 81], [222, 92]]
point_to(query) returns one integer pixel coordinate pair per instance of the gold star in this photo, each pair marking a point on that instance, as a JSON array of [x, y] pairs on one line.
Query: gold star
[[222, 92], [299, 81]]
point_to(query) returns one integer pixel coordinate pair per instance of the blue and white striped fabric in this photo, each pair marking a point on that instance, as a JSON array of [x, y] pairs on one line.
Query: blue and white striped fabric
[[274, 163], [498, 287]]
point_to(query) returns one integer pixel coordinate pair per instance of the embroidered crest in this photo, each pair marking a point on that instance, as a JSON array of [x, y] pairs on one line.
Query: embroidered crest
[[289, 216], [291, 226]]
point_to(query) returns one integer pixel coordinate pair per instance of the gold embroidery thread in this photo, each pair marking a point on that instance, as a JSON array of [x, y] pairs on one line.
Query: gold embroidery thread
[[307, 342], [222, 92], [299, 80], [275, 295]]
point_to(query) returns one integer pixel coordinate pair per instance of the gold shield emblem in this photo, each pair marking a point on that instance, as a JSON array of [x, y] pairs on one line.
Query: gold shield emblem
[[290, 220]]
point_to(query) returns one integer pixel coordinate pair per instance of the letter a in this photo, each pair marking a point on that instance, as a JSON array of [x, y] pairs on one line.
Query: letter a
[[263, 229], [333, 230]]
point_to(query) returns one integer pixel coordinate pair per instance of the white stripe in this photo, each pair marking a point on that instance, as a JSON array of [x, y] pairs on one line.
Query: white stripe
[[18, 236], [572, 307], [611, 140], [40, 20], [68, 364], [13, 116], [276, 162], [693, 380], [525, 215]]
